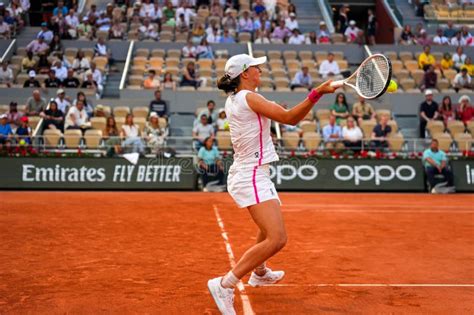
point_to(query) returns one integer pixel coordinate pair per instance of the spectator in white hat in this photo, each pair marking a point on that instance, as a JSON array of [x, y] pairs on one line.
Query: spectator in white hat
[[428, 111], [351, 32], [291, 23], [465, 112], [31, 82], [62, 101], [323, 34]]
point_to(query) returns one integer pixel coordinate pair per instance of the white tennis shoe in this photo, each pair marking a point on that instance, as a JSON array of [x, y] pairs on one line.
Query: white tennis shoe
[[270, 277], [223, 297]]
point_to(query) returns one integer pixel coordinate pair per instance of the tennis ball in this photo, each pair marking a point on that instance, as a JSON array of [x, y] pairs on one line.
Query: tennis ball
[[226, 126], [392, 87], [22, 142]]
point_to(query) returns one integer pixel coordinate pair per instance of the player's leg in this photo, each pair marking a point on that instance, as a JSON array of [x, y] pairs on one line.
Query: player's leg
[[260, 269]]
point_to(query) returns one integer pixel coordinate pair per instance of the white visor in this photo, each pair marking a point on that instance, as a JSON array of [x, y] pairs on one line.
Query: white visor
[[239, 63]]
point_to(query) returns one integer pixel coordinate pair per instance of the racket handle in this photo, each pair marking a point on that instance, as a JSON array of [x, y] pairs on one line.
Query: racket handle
[[337, 84]]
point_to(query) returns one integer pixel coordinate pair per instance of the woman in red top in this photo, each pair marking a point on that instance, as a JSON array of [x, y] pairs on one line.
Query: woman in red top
[[465, 112]]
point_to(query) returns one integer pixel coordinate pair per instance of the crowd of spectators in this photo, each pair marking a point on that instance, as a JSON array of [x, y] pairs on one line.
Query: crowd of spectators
[[448, 36]]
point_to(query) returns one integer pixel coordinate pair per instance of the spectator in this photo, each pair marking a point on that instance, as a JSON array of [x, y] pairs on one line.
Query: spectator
[[214, 38], [329, 68], [187, 12], [52, 81], [458, 40], [60, 9], [323, 35], [90, 84], [363, 111], [71, 81], [201, 131], [131, 134], [462, 80], [60, 70], [5, 32], [6, 74], [190, 76], [426, 59], [371, 26], [213, 24], [435, 162], [428, 112], [151, 82], [6, 132], [380, 134], [23, 132], [189, 51], [159, 106], [468, 66], [53, 117], [280, 32], [62, 101], [262, 37], [35, 104], [198, 33], [465, 112], [13, 115], [407, 37], [147, 10], [148, 31], [459, 58], [43, 64], [210, 163], [311, 38], [222, 122], [352, 135], [430, 79], [103, 23], [168, 12], [29, 62], [99, 111], [229, 22], [181, 25], [80, 96], [245, 23], [291, 23], [210, 113], [45, 33], [446, 63], [296, 38], [77, 117], [352, 32], [450, 31], [446, 112], [204, 50], [31, 82], [111, 137], [85, 30], [340, 108], [302, 79], [423, 39], [154, 134], [342, 20], [259, 7], [168, 81], [116, 31], [96, 74], [56, 45], [72, 22], [37, 46], [226, 38], [440, 39], [81, 63], [466, 35], [101, 49], [332, 134]]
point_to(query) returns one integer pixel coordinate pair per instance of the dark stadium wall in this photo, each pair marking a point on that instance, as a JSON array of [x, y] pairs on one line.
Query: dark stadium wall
[[385, 28]]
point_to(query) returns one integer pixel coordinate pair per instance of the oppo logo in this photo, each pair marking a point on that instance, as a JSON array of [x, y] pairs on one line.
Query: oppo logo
[[290, 172], [379, 173]]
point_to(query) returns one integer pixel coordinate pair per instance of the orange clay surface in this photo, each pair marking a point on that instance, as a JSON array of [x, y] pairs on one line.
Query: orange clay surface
[[153, 252]]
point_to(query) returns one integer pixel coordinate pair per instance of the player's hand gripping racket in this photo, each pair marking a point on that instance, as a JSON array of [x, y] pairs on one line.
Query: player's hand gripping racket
[[371, 79]]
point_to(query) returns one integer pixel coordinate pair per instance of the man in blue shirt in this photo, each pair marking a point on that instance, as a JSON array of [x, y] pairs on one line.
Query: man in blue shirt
[[6, 132], [332, 134], [435, 163], [302, 79]]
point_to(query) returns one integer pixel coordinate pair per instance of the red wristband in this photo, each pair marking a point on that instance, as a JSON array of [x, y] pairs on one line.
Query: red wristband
[[314, 96]]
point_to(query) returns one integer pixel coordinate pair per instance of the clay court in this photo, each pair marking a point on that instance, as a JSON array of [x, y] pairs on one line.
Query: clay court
[[153, 252]]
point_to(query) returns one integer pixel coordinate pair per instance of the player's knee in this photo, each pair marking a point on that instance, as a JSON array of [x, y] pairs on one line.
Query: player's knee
[[279, 241]]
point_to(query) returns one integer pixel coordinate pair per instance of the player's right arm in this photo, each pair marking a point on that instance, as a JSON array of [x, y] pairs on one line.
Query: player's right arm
[[292, 116]]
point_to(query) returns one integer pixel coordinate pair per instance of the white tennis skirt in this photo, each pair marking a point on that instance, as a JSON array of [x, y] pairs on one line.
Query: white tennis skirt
[[251, 186]]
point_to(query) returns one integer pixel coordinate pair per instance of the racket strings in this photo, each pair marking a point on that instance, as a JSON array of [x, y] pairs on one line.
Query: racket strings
[[373, 76]]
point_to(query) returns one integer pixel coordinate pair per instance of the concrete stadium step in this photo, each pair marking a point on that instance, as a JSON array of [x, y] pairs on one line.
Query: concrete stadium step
[[308, 14], [409, 14], [112, 85]]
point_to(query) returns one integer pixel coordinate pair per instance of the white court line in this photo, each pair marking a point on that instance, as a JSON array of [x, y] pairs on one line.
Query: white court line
[[247, 307], [416, 285], [345, 208]]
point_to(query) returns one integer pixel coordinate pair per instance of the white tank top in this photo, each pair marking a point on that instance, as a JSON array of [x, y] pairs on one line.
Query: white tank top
[[249, 132]]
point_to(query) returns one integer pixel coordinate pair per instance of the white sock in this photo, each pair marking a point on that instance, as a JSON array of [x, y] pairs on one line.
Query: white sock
[[229, 280]]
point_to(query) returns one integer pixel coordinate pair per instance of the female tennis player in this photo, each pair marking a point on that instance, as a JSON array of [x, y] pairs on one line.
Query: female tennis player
[[248, 182]]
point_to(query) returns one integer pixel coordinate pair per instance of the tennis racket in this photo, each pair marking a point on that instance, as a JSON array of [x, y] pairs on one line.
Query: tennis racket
[[371, 79]]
